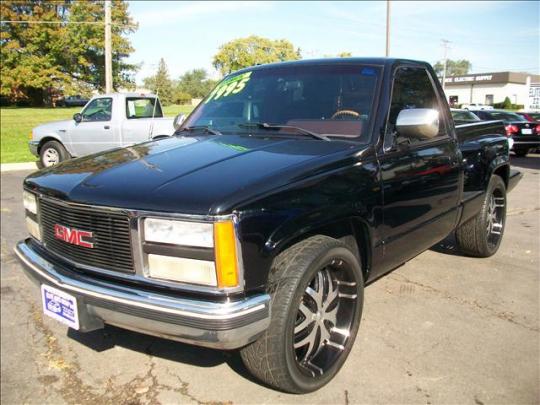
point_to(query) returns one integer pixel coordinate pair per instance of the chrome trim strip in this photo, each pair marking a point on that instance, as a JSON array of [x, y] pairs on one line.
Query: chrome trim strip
[[517, 142], [190, 308]]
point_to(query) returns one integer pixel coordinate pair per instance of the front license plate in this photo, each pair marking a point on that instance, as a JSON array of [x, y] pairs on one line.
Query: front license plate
[[526, 131], [60, 306]]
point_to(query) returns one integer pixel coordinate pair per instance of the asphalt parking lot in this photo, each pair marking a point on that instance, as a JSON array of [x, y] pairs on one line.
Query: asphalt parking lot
[[442, 329]]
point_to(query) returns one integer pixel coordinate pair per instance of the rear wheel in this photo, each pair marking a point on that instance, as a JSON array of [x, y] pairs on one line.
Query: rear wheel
[[481, 236], [521, 152], [52, 153], [317, 296]]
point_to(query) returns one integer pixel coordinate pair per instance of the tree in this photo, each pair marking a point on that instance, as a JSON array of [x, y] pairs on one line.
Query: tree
[[507, 104], [453, 67], [40, 59], [344, 55], [160, 83], [253, 50], [196, 83]]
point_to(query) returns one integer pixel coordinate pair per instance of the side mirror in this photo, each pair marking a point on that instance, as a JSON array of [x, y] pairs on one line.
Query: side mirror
[[178, 121], [77, 117], [418, 123]]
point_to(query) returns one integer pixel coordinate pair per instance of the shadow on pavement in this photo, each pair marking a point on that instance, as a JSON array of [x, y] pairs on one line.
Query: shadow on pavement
[[111, 336], [447, 246], [531, 161]]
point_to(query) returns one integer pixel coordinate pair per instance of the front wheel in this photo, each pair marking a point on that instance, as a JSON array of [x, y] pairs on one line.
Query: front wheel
[[481, 236], [317, 292], [52, 153]]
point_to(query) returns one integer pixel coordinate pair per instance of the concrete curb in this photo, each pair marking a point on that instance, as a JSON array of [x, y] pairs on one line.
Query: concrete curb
[[11, 167]]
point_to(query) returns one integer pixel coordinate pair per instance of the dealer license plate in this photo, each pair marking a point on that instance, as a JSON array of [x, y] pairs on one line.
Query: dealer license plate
[[60, 306], [526, 131]]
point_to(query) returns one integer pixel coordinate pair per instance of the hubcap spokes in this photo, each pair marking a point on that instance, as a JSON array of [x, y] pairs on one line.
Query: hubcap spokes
[[322, 327], [51, 157], [495, 216]]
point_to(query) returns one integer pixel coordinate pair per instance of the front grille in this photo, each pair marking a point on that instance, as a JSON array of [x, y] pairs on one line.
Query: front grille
[[111, 236]]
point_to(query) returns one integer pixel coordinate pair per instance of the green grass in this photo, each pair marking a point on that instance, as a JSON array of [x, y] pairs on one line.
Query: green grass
[[16, 125]]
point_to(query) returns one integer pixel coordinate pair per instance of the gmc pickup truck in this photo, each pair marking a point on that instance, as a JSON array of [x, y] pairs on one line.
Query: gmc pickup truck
[[290, 188], [108, 121]]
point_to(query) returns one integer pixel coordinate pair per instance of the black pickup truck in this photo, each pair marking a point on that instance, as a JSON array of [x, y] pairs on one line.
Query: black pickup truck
[[288, 189]]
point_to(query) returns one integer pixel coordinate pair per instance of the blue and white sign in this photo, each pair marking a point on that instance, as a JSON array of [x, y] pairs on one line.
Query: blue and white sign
[[60, 306]]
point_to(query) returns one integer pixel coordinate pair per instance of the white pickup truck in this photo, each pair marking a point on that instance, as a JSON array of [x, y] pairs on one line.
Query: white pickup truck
[[107, 121]]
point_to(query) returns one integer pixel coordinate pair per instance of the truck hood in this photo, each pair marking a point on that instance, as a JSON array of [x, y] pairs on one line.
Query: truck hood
[[52, 127], [207, 175]]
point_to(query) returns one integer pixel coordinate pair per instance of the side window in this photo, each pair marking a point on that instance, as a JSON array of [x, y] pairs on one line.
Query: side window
[[413, 89], [143, 108], [99, 109]]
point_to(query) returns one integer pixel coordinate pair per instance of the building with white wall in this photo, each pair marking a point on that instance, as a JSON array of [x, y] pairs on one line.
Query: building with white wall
[[490, 88]]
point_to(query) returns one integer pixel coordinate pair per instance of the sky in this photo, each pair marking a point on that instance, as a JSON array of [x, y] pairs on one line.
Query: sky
[[493, 36]]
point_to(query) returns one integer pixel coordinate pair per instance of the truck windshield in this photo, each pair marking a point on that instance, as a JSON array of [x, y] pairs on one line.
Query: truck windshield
[[333, 100]]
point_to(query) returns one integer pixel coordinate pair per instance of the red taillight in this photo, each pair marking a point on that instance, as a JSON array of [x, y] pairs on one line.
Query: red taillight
[[511, 130], [537, 129]]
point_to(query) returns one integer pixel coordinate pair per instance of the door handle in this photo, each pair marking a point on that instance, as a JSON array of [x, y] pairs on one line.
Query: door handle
[[107, 127]]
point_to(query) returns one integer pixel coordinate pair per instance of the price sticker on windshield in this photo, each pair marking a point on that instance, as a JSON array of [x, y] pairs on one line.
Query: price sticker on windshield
[[230, 86]]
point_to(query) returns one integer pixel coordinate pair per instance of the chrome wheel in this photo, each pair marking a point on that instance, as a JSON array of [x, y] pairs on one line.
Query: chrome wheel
[[324, 318], [51, 157], [495, 217]]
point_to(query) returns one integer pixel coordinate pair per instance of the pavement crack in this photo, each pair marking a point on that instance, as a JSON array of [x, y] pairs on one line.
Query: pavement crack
[[185, 392], [506, 316]]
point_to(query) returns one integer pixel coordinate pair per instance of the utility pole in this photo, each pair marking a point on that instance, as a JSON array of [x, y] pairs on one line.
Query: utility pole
[[108, 48], [445, 43], [387, 28]]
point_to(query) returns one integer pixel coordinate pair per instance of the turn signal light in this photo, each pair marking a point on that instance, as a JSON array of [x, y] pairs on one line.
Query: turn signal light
[[226, 257]]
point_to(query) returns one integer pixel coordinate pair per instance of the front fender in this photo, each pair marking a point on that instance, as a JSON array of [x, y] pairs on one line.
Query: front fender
[[330, 205]]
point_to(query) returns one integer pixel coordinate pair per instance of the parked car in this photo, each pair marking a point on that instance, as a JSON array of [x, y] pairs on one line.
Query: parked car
[[526, 135], [107, 121], [463, 116], [476, 106], [75, 101], [531, 116], [289, 188]]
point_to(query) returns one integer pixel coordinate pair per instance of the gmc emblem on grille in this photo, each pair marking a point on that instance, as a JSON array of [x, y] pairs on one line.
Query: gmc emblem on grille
[[73, 236]]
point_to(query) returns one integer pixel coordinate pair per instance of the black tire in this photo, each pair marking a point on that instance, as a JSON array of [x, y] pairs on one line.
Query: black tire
[[475, 237], [272, 358], [49, 149], [521, 152]]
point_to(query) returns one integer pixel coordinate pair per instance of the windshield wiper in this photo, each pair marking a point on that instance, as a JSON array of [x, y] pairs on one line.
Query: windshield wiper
[[265, 125], [205, 128]]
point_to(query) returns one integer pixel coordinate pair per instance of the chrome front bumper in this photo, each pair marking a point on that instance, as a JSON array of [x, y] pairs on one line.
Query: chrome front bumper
[[223, 325]]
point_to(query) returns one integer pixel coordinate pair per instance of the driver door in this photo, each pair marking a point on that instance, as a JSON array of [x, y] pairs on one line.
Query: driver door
[[95, 132]]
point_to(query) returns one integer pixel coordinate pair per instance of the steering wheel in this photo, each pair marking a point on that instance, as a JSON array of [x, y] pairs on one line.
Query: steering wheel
[[340, 113]]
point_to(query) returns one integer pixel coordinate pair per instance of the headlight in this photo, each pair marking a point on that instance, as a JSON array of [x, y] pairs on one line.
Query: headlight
[[217, 239], [33, 228], [182, 269], [29, 202], [178, 232]]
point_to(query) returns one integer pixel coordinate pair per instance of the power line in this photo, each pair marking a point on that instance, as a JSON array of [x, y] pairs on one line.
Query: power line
[[64, 22]]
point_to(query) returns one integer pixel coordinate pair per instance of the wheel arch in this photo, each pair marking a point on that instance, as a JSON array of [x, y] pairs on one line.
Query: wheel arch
[[49, 138], [503, 171], [353, 231]]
